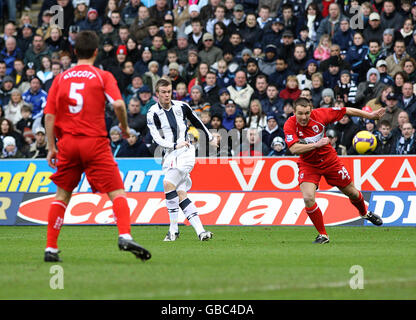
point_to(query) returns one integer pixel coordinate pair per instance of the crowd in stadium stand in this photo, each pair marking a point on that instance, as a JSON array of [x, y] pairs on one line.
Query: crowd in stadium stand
[[239, 64]]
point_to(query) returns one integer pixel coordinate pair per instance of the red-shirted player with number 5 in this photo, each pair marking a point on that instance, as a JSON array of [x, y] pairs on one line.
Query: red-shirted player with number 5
[[75, 115], [305, 136]]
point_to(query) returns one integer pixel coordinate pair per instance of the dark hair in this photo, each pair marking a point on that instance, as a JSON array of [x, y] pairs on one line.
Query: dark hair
[[162, 83], [85, 44], [385, 123], [302, 102]]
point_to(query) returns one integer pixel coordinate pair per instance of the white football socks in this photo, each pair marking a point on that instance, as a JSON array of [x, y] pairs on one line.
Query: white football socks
[[172, 204], [191, 213]]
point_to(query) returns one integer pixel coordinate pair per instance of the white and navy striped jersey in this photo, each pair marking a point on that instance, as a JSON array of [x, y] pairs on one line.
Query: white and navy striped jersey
[[169, 127]]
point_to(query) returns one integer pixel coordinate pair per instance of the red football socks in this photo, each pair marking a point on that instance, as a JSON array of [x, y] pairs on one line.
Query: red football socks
[[55, 220], [315, 215], [360, 205], [122, 214]]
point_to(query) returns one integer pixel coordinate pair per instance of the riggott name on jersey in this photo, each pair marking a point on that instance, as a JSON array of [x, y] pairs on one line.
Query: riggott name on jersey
[[80, 74]]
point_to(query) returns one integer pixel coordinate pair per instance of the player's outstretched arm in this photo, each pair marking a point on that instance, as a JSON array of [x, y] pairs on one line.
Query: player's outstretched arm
[[300, 148], [375, 115]]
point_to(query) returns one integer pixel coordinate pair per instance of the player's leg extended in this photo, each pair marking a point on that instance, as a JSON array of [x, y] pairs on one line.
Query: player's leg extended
[[357, 199], [311, 207], [55, 220], [191, 213], [172, 204], [122, 215], [121, 212]]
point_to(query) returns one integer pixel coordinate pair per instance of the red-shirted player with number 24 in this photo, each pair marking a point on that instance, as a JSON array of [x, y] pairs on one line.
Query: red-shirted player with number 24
[[75, 114], [305, 136]]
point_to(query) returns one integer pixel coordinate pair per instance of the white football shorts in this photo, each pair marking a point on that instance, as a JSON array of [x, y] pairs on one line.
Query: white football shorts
[[177, 166]]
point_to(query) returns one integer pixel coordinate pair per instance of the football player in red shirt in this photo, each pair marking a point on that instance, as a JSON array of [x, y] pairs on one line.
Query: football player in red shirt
[[75, 115], [305, 136]]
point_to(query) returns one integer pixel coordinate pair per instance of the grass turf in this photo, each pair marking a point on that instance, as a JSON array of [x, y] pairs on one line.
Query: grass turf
[[239, 263]]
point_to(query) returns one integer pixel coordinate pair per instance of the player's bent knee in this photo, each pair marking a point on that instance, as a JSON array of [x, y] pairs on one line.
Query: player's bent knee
[[168, 186]]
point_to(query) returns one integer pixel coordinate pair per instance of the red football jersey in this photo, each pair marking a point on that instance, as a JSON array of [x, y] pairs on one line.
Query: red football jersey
[[77, 99], [313, 132]]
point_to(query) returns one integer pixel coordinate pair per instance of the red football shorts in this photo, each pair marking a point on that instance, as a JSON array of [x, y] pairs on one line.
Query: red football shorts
[[92, 155], [335, 174]]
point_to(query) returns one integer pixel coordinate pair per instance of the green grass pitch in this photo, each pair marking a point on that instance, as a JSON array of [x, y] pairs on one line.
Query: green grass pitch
[[253, 263]]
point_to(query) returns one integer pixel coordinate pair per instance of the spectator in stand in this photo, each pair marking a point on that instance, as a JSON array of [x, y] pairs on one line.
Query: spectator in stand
[[330, 24], [197, 102], [36, 51], [26, 122], [241, 92], [10, 150], [210, 53], [92, 22], [322, 51], [373, 30], [356, 53], [260, 88], [195, 37], [328, 98], [407, 101], [393, 61], [346, 89], [272, 129], [253, 145], [280, 74], [287, 47], [135, 119], [405, 144], [116, 141], [409, 69], [392, 110], [45, 72], [385, 139], [210, 88], [299, 59], [39, 148], [7, 129], [252, 32], [219, 16], [346, 129], [191, 67], [12, 110], [332, 75], [181, 13], [278, 147], [256, 117], [267, 64], [219, 107], [237, 23], [199, 79], [399, 79], [292, 90], [146, 99], [152, 76], [369, 89], [229, 114], [382, 69], [273, 32], [373, 56], [390, 18], [6, 90], [335, 53], [129, 12], [272, 104], [264, 16], [134, 147], [37, 98], [10, 53]]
